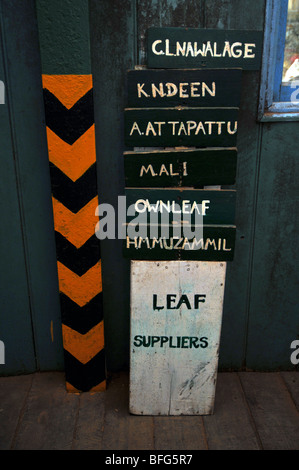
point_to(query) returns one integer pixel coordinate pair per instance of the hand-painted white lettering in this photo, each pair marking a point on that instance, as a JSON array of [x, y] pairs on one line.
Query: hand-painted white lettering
[[135, 127], [176, 243], [149, 170], [167, 51], [172, 89], [187, 128], [229, 130], [150, 128], [140, 90], [183, 91], [143, 205], [146, 170], [169, 89], [235, 50], [163, 170], [155, 43], [172, 173], [248, 54], [227, 49], [236, 54], [158, 90]]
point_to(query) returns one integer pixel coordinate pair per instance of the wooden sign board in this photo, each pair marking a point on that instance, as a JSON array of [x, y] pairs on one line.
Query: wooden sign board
[[204, 48], [207, 207], [207, 243], [169, 88], [173, 127], [194, 168], [176, 315]]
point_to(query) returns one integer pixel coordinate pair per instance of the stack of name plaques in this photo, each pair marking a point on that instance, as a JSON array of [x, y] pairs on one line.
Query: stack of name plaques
[[194, 115], [181, 123]]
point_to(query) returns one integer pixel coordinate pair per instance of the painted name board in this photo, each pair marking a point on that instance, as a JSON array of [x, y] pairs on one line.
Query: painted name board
[[199, 206], [169, 88], [173, 127], [207, 48], [208, 243], [176, 312], [193, 168]]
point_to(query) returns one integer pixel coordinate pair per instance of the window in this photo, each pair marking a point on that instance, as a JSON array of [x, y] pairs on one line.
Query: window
[[279, 94]]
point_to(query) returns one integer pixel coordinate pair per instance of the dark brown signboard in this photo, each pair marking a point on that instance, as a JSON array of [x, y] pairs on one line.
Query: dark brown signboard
[[204, 48], [169, 88], [175, 168], [173, 127], [189, 206]]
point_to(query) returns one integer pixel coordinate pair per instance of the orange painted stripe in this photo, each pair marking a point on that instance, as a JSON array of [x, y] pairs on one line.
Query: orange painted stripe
[[76, 228], [81, 289], [83, 347], [74, 159], [101, 387], [68, 88], [71, 389]]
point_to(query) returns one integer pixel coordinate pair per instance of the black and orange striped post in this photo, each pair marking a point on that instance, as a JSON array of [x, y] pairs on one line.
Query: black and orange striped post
[[68, 97]]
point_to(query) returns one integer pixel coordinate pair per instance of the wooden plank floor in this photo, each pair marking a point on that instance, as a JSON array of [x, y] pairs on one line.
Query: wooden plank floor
[[253, 411]]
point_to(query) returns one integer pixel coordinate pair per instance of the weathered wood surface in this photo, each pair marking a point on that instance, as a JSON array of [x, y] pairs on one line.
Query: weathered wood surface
[[203, 48], [272, 409], [169, 88], [188, 168], [102, 421], [49, 416], [173, 127], [13, 396], [176, 314], [230, 427], [120, 429], [179, 433]]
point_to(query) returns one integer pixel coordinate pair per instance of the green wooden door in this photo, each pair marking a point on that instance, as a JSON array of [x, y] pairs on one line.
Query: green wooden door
[[261, 312], [30, 325], [260, 318]]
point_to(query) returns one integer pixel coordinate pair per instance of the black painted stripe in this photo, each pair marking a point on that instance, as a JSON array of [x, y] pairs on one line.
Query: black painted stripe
[[69, 124], [74, 194], [85, 376], [81, 319], [78, 260]]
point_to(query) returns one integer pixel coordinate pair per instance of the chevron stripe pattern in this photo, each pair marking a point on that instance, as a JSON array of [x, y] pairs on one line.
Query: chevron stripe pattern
[[72, 159]]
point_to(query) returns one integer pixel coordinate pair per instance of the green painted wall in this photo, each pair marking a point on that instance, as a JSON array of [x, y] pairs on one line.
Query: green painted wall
[[261, 303], [260, 313], [30, 325]]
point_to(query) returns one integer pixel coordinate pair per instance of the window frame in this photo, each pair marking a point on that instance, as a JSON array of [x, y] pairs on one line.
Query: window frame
[[271, 108]]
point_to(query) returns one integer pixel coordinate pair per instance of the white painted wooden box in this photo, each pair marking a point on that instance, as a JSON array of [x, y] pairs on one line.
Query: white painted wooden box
[[176, 316]]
